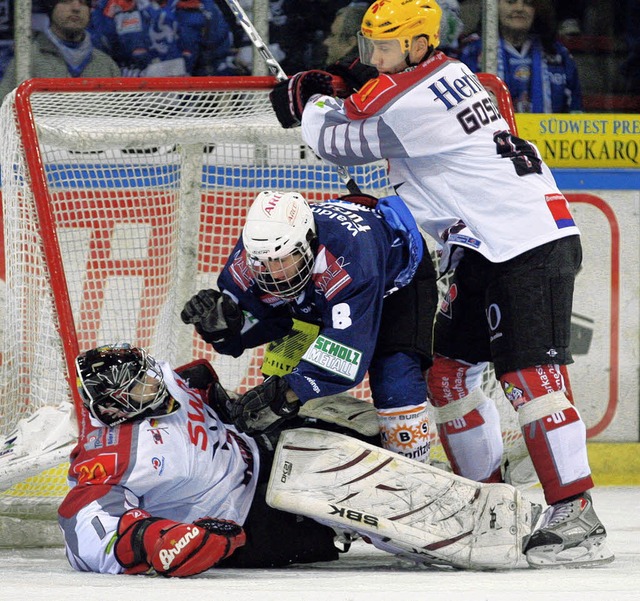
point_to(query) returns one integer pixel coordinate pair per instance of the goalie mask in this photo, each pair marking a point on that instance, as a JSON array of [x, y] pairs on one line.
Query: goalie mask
[[278, 236], [118, 383], [390, 26]]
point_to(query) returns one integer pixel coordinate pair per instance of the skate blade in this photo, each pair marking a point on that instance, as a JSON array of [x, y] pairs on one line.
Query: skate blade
[[590, 553]]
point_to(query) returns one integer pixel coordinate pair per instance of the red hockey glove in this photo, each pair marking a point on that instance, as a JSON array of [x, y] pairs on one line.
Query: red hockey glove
[[288, 98], [173, 548]]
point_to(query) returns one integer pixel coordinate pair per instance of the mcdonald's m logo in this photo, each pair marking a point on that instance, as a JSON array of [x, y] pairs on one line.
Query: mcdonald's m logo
[[97, 470]]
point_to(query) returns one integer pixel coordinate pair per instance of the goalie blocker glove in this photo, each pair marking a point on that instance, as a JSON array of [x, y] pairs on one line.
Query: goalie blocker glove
[[174, 548], [264, 408], [289, 97], [215, 316]]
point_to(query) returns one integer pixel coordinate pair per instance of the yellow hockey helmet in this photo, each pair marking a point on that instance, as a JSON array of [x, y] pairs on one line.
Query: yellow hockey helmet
[[402, 20]]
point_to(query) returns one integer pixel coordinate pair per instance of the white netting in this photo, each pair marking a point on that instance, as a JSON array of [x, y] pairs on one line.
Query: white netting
[[147, 192]]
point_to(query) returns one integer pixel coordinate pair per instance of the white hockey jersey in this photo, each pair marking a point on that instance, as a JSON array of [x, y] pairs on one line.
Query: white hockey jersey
[[183, 466], [464, 177]]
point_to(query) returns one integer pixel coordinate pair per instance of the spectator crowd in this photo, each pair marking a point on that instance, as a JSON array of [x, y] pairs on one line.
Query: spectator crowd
[[163, 38]]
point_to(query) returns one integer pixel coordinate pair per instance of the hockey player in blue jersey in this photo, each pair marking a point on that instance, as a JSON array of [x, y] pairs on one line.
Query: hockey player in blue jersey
[[362, 275]]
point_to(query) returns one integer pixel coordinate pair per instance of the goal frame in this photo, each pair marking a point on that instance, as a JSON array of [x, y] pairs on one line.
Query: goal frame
[[36, 169]]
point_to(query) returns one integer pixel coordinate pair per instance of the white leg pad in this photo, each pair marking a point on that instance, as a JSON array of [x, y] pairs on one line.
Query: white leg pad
[[403, 506]]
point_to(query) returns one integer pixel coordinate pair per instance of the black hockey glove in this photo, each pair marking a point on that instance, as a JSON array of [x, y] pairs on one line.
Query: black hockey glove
[[215, 316], [288, 98], [353, 73], [264, 408]]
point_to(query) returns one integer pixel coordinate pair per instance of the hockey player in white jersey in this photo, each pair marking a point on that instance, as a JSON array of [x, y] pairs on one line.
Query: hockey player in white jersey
[[488, 198], [162, 483]]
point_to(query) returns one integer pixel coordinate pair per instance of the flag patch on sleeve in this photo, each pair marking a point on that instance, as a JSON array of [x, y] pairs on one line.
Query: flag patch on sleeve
[[559, 208]]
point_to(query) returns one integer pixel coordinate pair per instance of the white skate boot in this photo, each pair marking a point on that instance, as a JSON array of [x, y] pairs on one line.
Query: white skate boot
[[569, 535]]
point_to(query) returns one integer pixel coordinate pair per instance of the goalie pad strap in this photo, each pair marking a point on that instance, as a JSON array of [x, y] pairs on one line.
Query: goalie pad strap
[[542, 406], [345, 411], [460, 408]]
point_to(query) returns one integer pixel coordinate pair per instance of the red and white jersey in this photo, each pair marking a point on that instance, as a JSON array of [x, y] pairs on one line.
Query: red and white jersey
[[183, 466], [451, 157]]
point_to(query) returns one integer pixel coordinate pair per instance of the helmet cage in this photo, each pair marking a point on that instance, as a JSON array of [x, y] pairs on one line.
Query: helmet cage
[[283, 277], [120, 383], [277, 238]]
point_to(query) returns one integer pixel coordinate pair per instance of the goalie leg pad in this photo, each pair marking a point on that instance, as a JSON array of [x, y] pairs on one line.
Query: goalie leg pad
[[345, 411], [415, 509]]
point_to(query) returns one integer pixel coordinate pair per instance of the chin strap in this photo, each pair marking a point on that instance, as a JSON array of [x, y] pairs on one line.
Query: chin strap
[[428, 54]]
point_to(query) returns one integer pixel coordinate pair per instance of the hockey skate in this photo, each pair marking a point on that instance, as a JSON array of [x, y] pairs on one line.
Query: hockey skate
[[569, 535]]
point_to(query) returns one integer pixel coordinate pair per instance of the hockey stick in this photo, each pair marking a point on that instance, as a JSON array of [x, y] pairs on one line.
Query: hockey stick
[[277, 71]]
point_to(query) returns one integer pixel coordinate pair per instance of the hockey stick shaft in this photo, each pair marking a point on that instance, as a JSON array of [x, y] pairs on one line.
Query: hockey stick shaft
[[278, 72]]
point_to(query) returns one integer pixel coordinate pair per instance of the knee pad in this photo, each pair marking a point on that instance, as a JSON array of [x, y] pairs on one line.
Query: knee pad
[[524, 385], [451, 379]]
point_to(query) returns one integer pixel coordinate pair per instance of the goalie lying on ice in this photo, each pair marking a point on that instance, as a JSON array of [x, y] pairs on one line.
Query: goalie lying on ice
[[161, 483]]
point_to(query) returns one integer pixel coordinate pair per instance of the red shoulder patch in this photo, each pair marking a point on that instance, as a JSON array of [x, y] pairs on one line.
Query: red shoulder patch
[[376, 93], [240, 271], [370, 97], [97, 470]]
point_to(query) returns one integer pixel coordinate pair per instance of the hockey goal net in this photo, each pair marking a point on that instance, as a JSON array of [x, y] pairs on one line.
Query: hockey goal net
[[121, 199]]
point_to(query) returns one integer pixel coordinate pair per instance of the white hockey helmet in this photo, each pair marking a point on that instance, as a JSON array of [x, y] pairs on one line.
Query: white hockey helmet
[[278, 236]]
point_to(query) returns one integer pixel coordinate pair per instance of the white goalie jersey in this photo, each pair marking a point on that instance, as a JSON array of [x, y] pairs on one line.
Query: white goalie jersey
[[467, 180], [182, 467]]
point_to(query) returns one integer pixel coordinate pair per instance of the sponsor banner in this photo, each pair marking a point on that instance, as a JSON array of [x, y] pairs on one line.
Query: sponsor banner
[[584, 140], [334, 357]]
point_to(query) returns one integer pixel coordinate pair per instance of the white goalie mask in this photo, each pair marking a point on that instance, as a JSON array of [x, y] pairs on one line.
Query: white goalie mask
[[277, 236]]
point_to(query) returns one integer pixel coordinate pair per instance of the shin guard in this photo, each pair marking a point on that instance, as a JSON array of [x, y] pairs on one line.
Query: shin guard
[[405, 430], [556, 438], [470, 432]]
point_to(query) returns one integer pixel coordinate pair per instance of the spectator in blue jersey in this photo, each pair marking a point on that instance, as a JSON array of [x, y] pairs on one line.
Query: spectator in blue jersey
[[362, 275], [163, 38], [538, 70], [64, 48]]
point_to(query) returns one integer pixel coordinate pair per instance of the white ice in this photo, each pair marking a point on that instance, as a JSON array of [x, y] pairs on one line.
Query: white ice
[[363, 574]]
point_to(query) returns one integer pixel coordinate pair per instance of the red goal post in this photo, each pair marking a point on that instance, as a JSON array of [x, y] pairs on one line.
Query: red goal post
[[121, 199]]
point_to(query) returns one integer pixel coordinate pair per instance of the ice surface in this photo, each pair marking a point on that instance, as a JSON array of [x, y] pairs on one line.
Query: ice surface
[[363, 574]]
